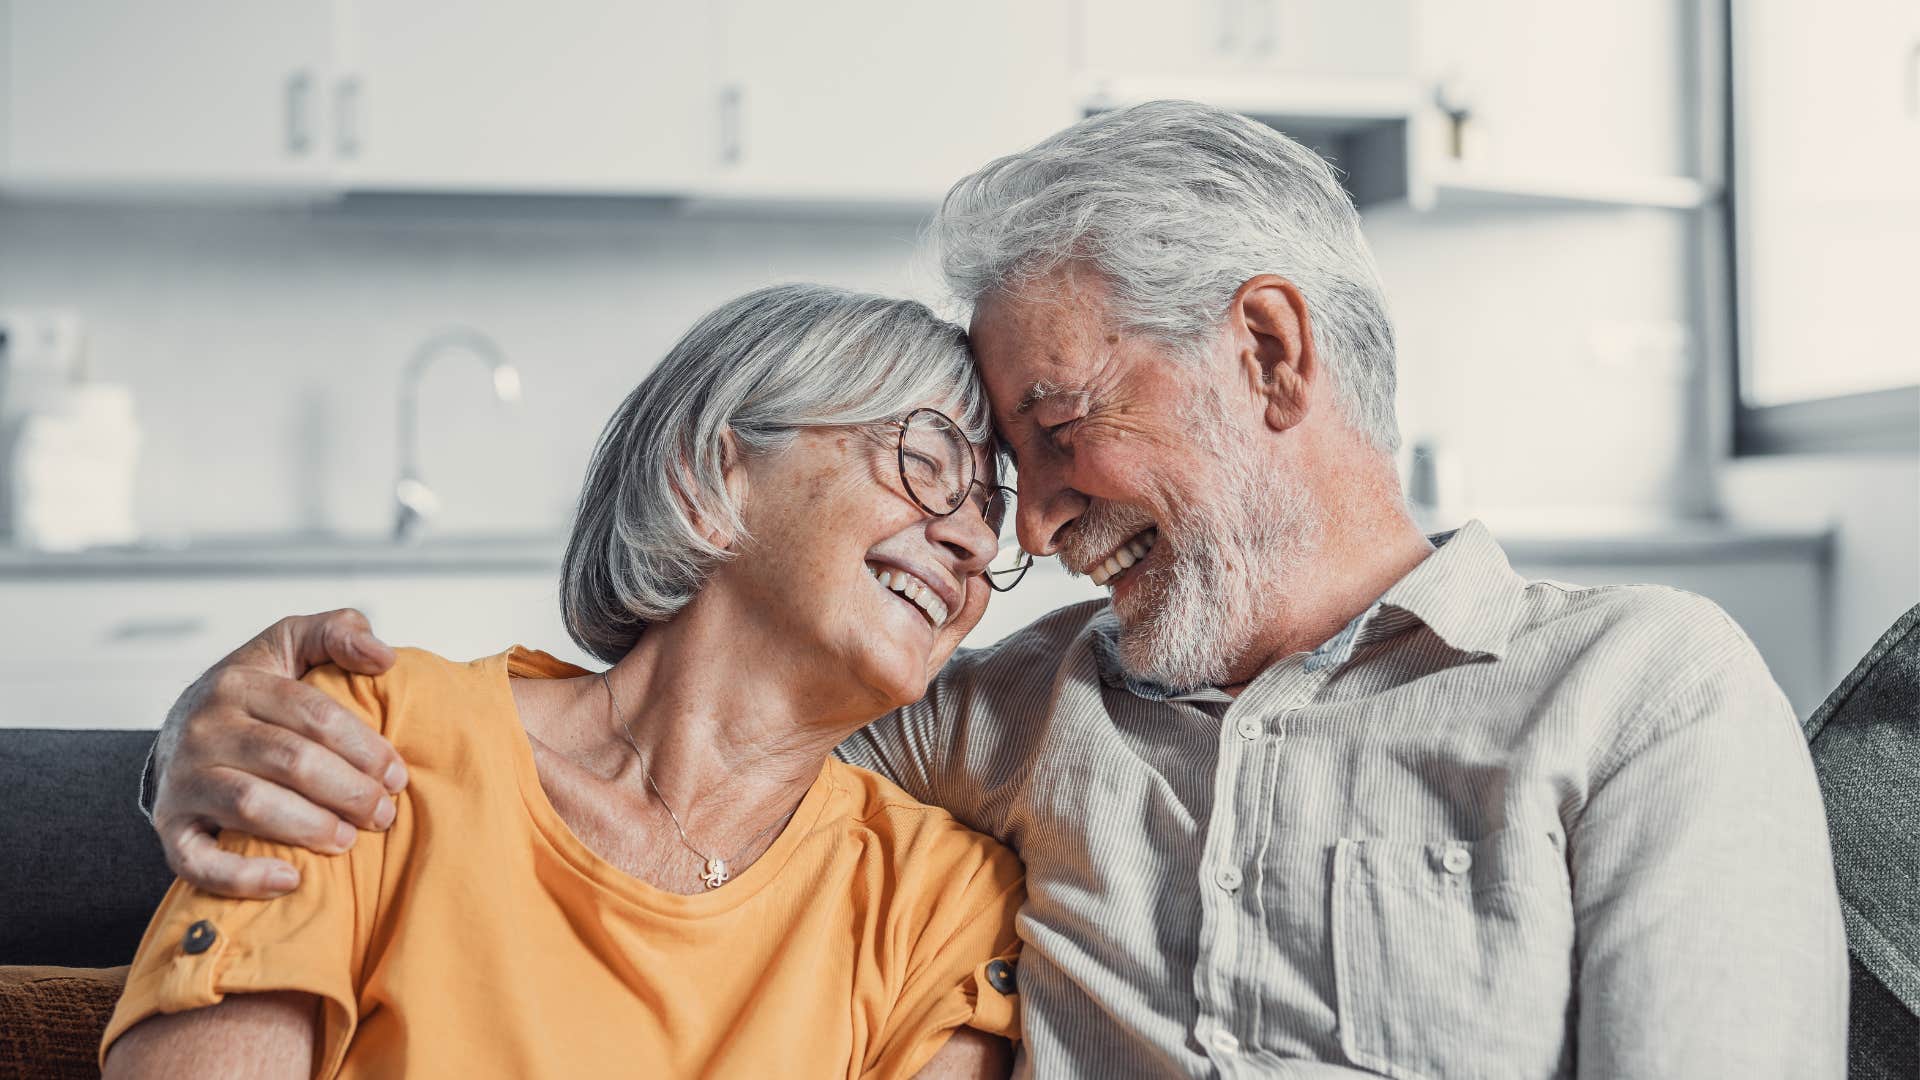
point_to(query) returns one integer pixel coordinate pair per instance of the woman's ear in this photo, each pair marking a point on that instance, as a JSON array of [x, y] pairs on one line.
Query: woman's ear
[[733, 473], [1274, 336]]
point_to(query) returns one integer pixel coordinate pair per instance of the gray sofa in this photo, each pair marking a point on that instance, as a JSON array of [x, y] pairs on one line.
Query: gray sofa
[[80, 869]]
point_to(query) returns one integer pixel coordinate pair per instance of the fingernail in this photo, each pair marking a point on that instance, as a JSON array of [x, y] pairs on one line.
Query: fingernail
[[383, 814], [283, 878], [396, 777], [343, 835]]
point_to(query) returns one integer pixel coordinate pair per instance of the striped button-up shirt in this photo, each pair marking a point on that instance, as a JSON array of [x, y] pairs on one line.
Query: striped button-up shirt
[[1494, 828]]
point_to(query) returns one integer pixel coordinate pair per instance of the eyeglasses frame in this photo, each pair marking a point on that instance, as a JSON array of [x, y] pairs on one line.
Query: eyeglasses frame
[[900, 459]]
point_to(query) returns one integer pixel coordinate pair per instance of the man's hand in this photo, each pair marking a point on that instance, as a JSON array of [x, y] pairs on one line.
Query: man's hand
[[249, 747]]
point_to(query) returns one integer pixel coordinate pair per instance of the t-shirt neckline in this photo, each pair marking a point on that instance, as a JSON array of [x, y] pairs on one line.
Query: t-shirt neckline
[[532, 663]]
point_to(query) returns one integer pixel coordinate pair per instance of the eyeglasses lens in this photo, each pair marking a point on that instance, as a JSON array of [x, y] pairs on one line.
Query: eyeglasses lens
[[935, 461]]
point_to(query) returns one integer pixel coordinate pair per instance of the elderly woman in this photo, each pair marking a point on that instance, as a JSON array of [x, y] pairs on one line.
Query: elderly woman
[[659, 868]]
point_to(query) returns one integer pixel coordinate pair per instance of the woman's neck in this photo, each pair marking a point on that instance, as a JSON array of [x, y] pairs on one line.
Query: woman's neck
[[729, 730]]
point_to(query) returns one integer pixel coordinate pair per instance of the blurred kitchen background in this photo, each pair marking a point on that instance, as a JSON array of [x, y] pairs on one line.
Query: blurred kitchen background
[[1652, 263]]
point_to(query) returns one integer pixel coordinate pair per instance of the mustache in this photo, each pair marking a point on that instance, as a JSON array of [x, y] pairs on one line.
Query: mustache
[[1101, 528]]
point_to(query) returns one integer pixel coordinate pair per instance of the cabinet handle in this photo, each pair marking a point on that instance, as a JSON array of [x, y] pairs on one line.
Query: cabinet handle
[[1913, 81], [1269, 28], [1228, 31], [346, 117], [730, 105], [299, 112]]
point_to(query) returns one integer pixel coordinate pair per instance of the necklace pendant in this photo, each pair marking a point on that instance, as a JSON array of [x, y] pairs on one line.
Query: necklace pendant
[[716, 874]]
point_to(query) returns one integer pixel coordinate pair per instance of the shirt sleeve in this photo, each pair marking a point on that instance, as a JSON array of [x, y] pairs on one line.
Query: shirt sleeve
[[962, 966], [968, 745], [1710, 939], [201, 947]]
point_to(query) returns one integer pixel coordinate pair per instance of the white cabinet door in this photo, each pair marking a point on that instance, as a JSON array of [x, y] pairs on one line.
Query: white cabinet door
[[114, 652], [184, 93], [1226, 41], [875, 99], [1339, 38], [567, 95]]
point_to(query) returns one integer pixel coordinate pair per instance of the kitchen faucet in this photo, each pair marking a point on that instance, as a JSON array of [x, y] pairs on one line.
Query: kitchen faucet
[[414, 501]]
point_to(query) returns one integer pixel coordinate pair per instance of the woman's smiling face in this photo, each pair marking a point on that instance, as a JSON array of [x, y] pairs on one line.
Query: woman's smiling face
[[847, 567]]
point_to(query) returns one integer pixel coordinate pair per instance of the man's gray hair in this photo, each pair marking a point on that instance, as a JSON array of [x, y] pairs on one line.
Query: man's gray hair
[[1176, 205], [760, 368]]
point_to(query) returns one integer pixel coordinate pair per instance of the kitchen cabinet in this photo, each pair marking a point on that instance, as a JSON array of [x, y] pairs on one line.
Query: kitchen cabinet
[[855, 100], [1225, 41], [187, 93], [590, 96], [1336, 75], [114, 649]]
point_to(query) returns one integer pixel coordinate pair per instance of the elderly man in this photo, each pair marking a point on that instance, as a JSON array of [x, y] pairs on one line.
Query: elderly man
[[1314, 793]]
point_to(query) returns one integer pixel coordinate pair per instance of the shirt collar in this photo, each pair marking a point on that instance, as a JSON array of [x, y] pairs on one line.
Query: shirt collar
[[1465, 592]]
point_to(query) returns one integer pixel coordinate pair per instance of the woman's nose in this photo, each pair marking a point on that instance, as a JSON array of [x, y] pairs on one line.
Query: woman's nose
[[966, 534]]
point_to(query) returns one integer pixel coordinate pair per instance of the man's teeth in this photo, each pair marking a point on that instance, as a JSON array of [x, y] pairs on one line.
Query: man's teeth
[[913, 589], [1130, 552]]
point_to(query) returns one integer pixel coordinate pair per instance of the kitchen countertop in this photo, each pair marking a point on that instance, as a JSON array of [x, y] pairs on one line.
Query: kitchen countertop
[[1683, 541], [293, 554]]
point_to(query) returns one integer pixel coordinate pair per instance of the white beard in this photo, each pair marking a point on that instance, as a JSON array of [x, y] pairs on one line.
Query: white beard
[[1235, 548]]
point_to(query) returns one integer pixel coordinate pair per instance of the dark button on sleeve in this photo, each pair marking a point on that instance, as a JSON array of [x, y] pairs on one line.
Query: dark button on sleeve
[[199, 939], [1000, 976]]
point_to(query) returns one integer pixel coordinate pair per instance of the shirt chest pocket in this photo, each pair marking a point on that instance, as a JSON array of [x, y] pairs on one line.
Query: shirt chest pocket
[[1454, 958]]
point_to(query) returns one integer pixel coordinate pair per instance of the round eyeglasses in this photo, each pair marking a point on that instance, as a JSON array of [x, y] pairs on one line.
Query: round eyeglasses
[[937, 469]]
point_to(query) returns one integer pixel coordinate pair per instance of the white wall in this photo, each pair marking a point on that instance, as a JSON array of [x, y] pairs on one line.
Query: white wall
[[1874, 504], [264, 344]]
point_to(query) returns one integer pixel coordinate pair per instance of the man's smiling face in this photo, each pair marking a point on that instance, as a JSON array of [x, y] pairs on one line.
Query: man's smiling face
[[1138, 467]]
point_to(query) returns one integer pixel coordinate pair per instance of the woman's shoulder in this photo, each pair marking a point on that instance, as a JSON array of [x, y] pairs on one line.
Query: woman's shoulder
[[424, 699], [921, 839]]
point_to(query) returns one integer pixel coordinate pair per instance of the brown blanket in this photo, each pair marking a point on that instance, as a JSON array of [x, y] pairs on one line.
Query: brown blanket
[[51, 1019]]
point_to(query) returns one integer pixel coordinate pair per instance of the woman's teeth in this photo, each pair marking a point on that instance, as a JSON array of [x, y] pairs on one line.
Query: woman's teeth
[[913, 589], [1130, 552]]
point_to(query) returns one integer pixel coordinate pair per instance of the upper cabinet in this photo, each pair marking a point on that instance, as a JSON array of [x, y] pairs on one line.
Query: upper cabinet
[[1256, 46], [838, 101], [187, 93], [1339, 75], [577, 96], [880, 100]]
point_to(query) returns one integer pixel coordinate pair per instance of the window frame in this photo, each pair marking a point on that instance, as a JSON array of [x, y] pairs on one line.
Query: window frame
[[1874, 421]]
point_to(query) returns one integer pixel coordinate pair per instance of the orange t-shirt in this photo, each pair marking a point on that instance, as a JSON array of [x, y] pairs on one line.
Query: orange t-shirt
[[479, 937]]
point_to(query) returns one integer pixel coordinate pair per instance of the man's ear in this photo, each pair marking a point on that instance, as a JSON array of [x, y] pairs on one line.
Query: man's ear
[[1273, 336]]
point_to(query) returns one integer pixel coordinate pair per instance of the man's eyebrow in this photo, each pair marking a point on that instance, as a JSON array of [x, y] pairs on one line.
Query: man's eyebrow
[[1035, 394]]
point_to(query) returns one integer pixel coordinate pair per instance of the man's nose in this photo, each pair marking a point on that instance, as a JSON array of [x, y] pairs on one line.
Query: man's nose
[[1046, 507]]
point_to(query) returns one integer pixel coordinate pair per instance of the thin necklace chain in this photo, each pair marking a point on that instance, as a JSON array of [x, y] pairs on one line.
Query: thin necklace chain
[[717, 871]]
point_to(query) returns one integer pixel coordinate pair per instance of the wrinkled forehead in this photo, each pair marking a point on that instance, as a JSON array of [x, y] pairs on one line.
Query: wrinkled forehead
[[1024, 349]]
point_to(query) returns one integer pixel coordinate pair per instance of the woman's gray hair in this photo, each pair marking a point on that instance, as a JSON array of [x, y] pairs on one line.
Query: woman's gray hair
[[1176, 205], [759, 369]]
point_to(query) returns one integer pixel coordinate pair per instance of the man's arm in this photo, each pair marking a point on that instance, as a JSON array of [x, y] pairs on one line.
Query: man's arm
[[250, 1035], [1710, 941], [250, 747]]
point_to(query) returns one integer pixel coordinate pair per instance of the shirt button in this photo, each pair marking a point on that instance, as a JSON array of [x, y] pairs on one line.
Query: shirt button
[[1457, 860], [1000, 976], [1228, 878], [1248, 727], [1225, 1043], [200, 938]]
